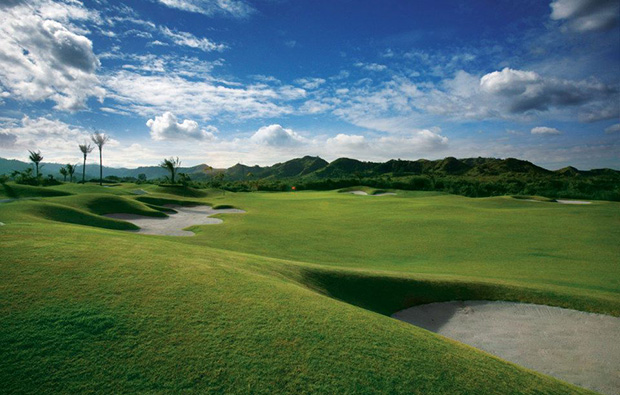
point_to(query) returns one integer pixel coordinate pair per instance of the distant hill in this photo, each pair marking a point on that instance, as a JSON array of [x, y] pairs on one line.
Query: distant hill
[[316, 168], [7, 166]]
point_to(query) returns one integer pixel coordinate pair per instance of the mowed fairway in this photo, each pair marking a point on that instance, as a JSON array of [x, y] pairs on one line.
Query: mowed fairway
[[292, 296]]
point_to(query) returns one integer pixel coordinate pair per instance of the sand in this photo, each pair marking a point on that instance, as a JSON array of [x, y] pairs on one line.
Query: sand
[[573, 346], [139, 192], [572, 202], [174, 224], [362, 193]]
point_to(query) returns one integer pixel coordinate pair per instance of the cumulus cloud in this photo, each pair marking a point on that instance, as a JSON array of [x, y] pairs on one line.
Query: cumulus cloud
[[613, 129], [413, 144], [44, 57], [57, 140], [277, 136], [544, 130], [189, 40], [347, 141], [523, 91], [586, 15], [166, 127], [232, 8]]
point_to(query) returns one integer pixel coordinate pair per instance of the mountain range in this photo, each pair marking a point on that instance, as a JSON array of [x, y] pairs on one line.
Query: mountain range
[[310, 167]]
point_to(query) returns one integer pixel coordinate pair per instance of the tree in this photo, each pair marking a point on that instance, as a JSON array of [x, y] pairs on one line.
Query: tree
[[172, 165], [64, 172], [100, 139], [86, 149], [36, 158], [71, 170]]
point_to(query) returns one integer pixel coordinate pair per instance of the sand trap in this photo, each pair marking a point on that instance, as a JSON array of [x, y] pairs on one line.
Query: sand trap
[[362, 193], [573, 202], [1, 223], [577, 347], [139, 192], [174, 224]]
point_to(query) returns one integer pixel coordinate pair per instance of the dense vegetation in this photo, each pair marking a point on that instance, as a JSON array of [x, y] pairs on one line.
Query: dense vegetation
[[474, 177], [291, 297]]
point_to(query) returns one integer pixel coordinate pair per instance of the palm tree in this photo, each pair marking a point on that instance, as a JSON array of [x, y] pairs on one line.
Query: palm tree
[[100, 139], [70, 171], [86, 149], [63, 171], [36, 158], [172, 165]]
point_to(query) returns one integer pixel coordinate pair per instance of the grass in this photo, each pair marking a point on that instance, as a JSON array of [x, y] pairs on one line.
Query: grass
[[292, 296]]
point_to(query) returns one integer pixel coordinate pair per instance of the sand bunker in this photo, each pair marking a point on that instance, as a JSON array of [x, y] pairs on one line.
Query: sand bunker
[[573, 202], [577, 347], [174, 224], [139, 192], [362, 193]]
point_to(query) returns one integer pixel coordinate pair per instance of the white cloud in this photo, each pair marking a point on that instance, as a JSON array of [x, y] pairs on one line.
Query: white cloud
[[586, 15], [44, 57], [57, 140], [613, 129], [166, 127], [347, 141], [276, 136], [544, 130], [189, 40], [310, 83], [154, 94], [371, 66], [233, 8]]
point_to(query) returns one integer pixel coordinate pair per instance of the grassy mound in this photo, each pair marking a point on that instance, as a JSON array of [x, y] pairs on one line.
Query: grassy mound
[[109, 204], [61, 213], [159, 201], [17, 191], [180, 190], [386, 294]]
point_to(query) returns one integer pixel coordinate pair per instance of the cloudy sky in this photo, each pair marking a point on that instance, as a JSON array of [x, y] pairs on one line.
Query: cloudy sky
[[261, 81]]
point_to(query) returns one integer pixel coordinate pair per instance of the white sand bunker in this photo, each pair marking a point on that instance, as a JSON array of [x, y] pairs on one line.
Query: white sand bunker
[[174, 224], [577, 347], [573, 202], [362, 193], [139, 192]]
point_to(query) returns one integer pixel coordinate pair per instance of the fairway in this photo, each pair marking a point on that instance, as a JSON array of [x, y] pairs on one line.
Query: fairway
[[294, 295]]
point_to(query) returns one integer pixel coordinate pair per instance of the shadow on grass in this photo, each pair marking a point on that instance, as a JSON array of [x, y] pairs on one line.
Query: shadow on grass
[[387, 295]]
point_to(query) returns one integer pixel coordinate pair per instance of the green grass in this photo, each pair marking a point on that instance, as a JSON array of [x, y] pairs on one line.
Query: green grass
[[292, 296]]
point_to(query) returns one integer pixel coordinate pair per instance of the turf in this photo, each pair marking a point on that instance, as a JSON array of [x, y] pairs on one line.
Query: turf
[[289, 297]]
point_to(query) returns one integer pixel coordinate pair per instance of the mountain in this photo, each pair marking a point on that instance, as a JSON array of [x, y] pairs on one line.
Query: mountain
[[316, 168]]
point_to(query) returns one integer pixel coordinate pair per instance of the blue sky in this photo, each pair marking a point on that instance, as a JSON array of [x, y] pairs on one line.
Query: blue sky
[[262, 81]]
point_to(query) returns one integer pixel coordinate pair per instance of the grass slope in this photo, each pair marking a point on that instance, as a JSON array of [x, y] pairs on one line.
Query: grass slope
[[237, 310]]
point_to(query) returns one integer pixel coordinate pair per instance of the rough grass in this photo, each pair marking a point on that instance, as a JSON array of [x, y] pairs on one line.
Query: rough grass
[[291, 297]]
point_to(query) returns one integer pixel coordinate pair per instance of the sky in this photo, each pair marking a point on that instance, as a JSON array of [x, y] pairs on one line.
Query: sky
[[263, 81]]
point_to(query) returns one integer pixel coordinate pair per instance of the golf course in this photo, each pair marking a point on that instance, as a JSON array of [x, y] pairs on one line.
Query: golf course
[[291, 292]]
